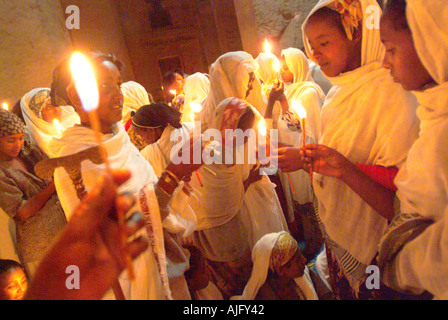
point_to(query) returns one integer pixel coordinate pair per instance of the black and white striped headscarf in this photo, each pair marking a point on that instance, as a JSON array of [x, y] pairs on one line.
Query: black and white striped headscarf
[[10, 124]]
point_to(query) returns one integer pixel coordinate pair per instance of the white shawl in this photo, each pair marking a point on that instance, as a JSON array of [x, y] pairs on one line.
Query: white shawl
[[370, 120], [261, 256], [229, 77], [41, 132], [196, 89], [150, 281], [305, 91], [423, 180], [135, 96], [259, 201]]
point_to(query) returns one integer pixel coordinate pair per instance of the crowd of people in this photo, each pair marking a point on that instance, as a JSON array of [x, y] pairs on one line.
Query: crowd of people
[[364, 183]]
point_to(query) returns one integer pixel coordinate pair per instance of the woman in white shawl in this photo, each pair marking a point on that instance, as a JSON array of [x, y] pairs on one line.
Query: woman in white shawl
[[413, 255], [165, 256], [232, 75], [370, 121], [229, 226], [35, 105], [279, 271], [196, 89]]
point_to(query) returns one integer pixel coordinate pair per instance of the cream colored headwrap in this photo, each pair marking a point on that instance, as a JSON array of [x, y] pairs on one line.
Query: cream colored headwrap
[[229, 77], [266, 252], [135, 96]]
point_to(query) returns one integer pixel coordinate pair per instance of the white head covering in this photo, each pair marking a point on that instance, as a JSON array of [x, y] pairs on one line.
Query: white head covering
[[372, 48], [262, 262], [267, 62], [135, 96], [196, 89], [298, 64], [229, 77], [427, 21], [41, 132]]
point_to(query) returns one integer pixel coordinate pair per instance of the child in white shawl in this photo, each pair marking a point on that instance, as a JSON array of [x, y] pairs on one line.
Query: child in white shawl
[[297, 185], [370, 121], [413, 254], [280, 273], [35, 105]]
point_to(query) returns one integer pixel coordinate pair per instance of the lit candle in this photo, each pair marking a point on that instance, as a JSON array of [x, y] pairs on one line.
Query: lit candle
[[5, 106], [86, 86], [195, 108], [301, 113], [58, 126], [267, 47]]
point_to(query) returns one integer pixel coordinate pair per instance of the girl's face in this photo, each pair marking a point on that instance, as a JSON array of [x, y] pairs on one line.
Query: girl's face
[[285, 73], [11, 145], [330, 47], [295, 267], [401, 58], [13, 285]]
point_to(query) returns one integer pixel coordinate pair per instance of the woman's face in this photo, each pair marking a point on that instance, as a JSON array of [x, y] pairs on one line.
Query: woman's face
[[11, 145], [149, 135], [295, 267], [330, 47], [111, 99], [285, 73], [401, 57], [13, 284]]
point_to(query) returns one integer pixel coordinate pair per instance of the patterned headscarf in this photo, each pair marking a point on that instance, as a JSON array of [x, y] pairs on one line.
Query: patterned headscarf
[[10, 124], [284, 249], [351, 14]]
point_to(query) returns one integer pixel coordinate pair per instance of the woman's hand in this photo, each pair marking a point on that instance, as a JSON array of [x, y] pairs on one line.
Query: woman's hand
[[190, 156], [288, 158], [91, 243], [326, 161]]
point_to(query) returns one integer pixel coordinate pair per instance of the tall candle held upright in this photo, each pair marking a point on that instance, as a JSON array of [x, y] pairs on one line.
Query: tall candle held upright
[[301, 113]]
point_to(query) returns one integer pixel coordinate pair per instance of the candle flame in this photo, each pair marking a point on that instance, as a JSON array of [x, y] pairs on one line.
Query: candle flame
[[267, 46], [195, 108], [85, 82], [298, 109], [57, 125], [5, 106], [173, 92]]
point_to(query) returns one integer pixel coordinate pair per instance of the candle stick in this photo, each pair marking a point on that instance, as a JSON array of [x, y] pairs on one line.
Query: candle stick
[[87, 89], [301, 113]]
